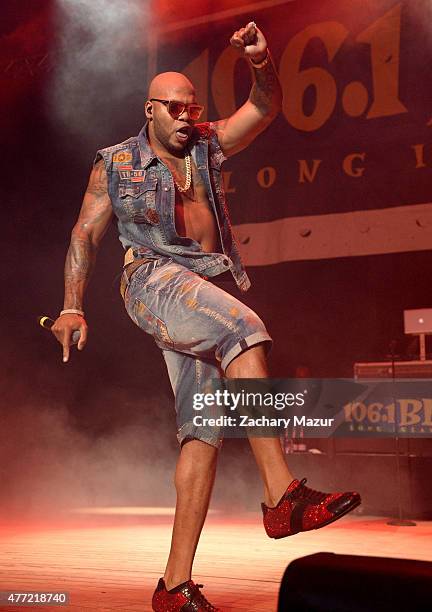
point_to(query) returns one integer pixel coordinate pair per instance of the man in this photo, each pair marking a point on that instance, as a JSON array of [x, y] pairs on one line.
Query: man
[[165, 189]]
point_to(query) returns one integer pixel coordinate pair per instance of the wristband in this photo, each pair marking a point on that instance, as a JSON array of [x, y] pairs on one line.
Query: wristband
[[72, 311], [263, 63]]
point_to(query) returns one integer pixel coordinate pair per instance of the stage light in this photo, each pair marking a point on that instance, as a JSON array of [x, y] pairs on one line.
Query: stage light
[[96, 67]]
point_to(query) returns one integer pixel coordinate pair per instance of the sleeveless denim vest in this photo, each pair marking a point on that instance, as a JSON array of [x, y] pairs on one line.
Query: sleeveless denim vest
[[142, 193]]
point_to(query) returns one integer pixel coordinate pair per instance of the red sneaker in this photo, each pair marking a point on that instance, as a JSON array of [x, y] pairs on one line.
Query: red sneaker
[[303, 509], [184, 597]]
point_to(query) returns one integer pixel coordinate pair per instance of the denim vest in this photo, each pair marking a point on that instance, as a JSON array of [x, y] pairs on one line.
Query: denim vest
[[142, 193]]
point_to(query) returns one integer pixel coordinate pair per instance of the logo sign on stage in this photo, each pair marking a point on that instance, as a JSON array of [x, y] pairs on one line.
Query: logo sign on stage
[[345, 169]]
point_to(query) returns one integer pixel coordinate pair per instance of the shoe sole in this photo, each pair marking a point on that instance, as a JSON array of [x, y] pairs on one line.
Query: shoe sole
[[354, 505]]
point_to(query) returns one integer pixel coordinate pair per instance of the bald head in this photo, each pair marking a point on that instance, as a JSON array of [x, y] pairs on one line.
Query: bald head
[[169, 131], [168, 85]]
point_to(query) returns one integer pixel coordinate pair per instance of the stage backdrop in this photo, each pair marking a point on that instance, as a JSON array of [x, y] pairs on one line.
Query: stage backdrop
[[330, 204], [345, 170]]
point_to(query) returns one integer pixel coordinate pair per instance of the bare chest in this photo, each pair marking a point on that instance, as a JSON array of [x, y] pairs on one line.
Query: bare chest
[[194, 217]]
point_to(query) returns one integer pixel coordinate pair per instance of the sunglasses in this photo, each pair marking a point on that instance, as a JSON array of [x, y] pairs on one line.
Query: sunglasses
[[176, 109]]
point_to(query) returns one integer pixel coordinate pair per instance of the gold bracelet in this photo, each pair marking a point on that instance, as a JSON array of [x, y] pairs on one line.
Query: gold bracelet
[[72, 311], [263, 63]]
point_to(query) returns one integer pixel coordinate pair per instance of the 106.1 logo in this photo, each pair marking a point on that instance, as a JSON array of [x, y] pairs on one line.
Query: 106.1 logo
[[404, 416], [383, 39]]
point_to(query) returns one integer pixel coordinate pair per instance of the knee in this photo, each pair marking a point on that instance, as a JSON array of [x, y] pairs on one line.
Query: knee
[[251, 363], [197, 461], [250, 323], [247, 357]]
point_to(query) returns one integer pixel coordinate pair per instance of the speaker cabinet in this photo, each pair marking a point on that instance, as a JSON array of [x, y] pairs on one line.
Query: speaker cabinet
[[327, 582]]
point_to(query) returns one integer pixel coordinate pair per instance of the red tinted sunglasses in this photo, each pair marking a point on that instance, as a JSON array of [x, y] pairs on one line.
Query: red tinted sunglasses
[[176, 108]]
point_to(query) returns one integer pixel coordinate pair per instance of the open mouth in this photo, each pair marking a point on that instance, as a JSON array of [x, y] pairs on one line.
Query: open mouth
[[183, 134]]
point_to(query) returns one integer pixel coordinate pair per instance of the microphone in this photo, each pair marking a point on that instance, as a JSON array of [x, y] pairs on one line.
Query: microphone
[[47, 323]]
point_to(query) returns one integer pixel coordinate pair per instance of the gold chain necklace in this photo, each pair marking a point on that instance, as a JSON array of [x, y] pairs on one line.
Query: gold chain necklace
[[188, 181]]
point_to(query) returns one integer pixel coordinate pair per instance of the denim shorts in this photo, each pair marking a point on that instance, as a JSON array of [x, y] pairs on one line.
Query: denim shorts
[[200, 328]]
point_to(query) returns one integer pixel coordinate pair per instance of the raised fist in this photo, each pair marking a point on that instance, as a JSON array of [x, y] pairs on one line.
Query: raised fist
[[252, 41]]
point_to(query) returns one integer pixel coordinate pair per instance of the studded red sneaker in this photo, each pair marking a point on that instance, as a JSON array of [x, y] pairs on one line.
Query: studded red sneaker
[[185, 597], [303, 509]]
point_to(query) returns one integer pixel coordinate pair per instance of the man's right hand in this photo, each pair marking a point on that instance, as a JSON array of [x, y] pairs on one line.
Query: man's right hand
[[63, 329]]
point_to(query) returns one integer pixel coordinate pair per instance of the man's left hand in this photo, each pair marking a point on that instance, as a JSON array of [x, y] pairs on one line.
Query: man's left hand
[[252, 41]]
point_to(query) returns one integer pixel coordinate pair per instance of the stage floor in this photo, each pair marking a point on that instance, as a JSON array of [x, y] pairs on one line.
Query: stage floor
[[113, 562]]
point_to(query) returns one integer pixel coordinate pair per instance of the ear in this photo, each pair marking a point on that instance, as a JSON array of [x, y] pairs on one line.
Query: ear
[[148, 110]]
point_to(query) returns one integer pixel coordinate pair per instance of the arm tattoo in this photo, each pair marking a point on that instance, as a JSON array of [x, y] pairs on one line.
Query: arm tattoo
[[96, 195], [81, 255], [266, 93], [79, 264], [98, 180]]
